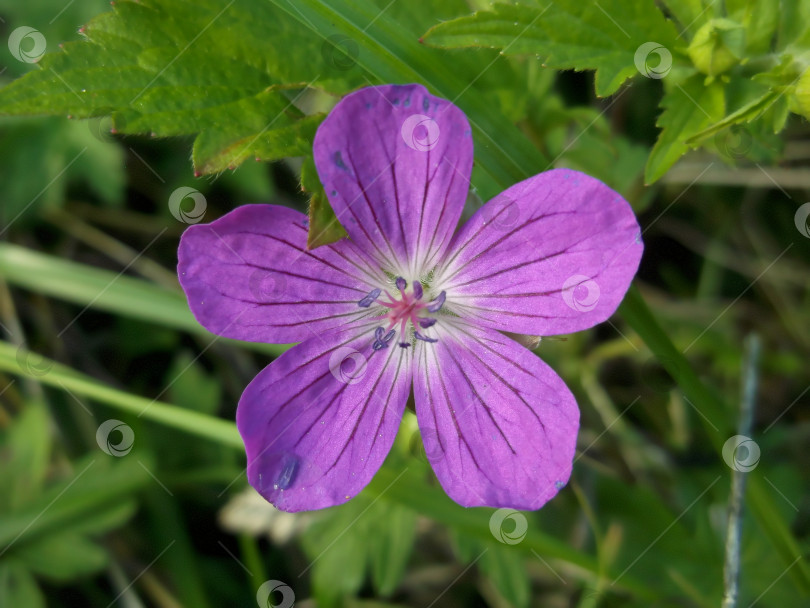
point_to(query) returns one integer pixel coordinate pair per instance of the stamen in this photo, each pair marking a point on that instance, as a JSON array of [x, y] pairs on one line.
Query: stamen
[[419, 336], [369, 299], [401, 283], [427, 322], [437, 304], [417, 290], [381, 341], [404, 345]]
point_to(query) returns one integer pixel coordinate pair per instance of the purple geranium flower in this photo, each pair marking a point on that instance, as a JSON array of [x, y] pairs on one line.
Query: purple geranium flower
[[406, 302]]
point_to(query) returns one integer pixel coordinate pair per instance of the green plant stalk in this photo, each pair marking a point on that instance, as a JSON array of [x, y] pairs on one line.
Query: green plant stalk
[[64, 378], [93, 287]]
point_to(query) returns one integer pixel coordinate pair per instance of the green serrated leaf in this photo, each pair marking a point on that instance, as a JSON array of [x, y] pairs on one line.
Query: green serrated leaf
[[747, 113], [62, 557], [688, 108], [160, 67], [324, 227], [567, 34]]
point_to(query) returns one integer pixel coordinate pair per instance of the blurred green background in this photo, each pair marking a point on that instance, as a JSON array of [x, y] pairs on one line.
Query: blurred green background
[[122, 476]]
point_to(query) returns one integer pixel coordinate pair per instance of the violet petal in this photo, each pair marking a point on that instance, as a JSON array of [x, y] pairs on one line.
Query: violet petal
[[318, 422], [499, 426], [249, 276], [395, 162], [553, 254]]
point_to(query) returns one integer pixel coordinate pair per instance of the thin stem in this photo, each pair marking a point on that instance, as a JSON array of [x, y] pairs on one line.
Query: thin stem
[[731, 574]]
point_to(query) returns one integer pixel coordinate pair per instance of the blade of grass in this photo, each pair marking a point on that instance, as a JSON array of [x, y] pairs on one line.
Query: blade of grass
[[105, 290]]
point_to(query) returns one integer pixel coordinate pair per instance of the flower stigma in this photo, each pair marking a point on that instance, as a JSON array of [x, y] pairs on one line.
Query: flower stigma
[[409, 307]]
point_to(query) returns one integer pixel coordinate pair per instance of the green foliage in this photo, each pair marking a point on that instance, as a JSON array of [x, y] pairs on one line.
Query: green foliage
[[643, 520], [622, 39]]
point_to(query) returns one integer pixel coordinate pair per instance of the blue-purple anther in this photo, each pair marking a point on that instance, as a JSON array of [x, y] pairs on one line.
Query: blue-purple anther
[[436, 305], [369, 299], [381, 341]]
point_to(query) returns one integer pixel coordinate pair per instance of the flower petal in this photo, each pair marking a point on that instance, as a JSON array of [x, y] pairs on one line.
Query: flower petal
[[319, 421], [499, 426], [553, 254], [249, 276], [395, 162]]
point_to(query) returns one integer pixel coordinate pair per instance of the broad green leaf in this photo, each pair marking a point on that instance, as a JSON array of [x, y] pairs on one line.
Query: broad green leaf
[[25, 449], [18, 586], [688, 108], [106, 290], [566, 34], [214, 68], [62, 557]]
